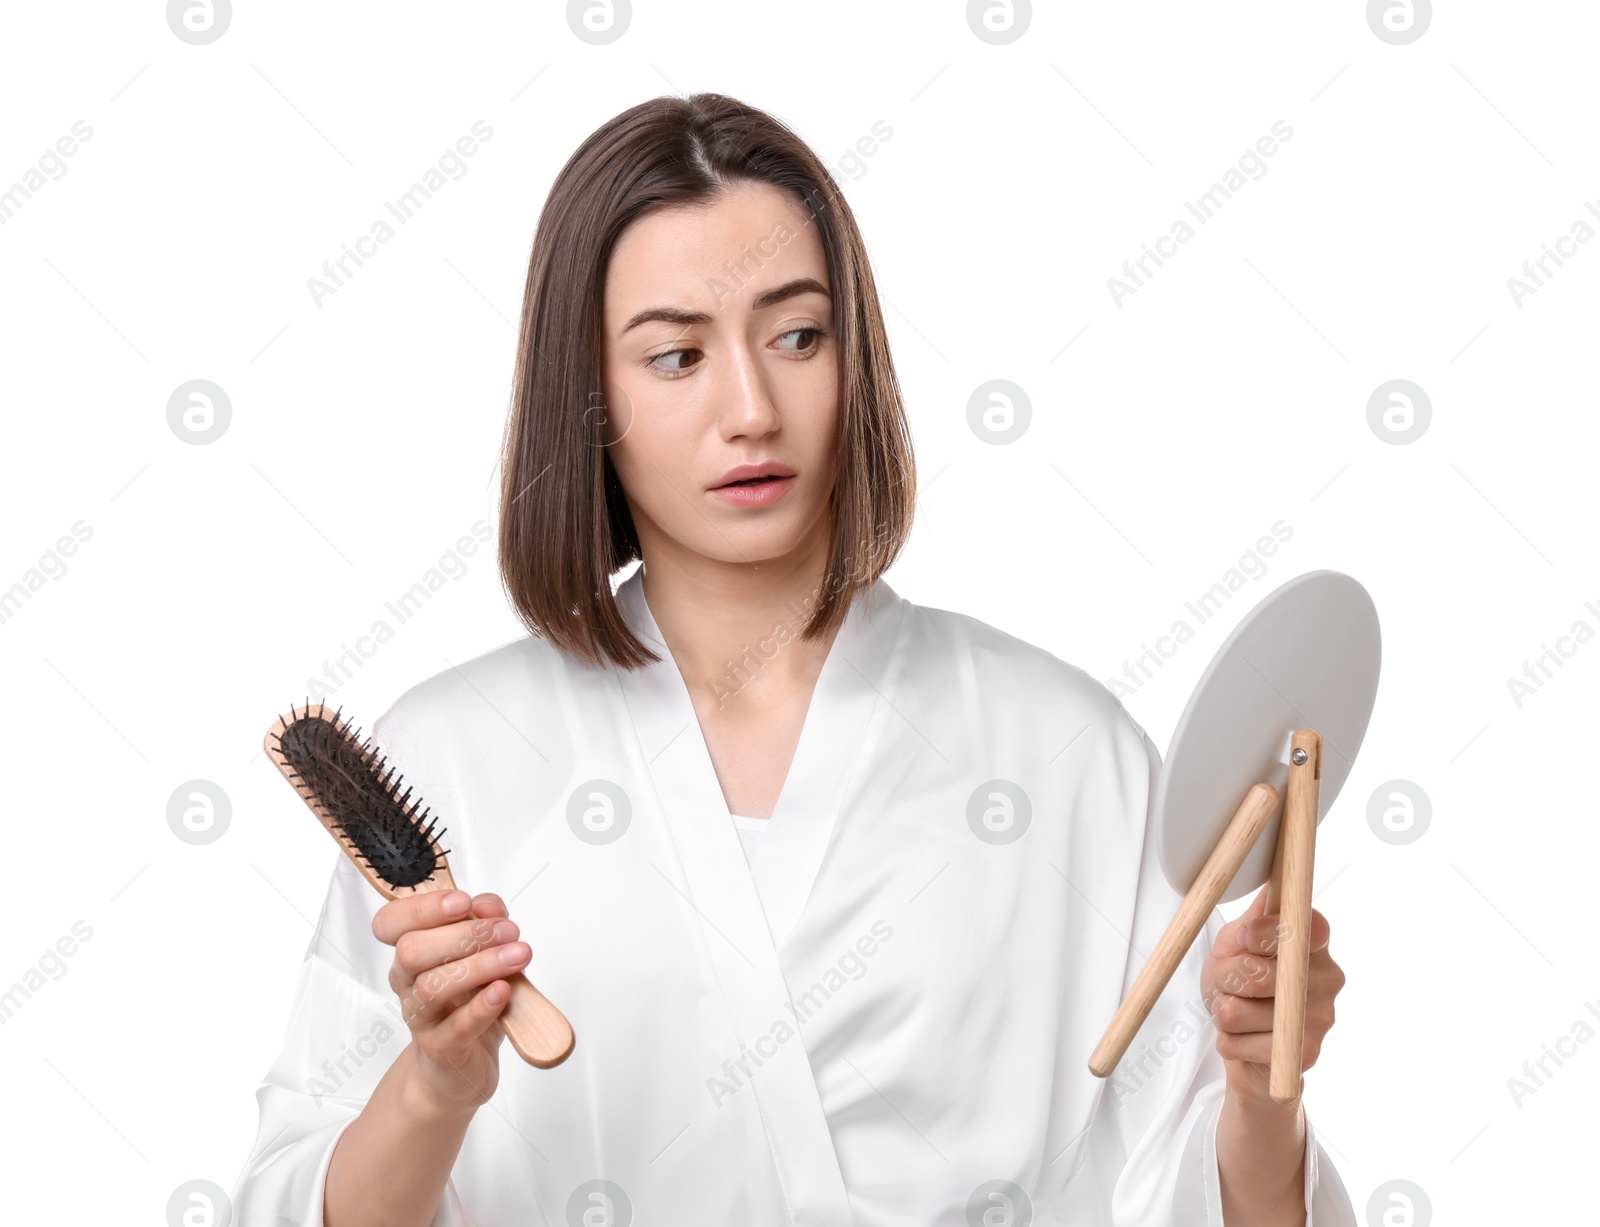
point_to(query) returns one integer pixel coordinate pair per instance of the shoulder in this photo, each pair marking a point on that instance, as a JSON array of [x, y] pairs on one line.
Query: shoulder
[[945, 639], [440, 695], [1011, 679], [519, 688]]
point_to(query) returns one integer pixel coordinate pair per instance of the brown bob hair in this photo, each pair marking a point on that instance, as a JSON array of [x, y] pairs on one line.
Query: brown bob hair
[[565, 527]]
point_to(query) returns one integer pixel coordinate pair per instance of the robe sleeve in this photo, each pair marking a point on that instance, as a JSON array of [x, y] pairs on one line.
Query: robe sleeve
[[1154, 1132], [344, 1032]]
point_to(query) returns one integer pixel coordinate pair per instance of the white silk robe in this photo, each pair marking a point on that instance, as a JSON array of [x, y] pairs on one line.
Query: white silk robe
[[884, 1022]]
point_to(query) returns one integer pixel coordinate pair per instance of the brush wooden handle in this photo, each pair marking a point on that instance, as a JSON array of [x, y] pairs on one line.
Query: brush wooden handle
[[1245, 827], [538, 1031], [1292, 871]]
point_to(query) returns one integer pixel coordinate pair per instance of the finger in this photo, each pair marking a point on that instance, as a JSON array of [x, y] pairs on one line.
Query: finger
[[1263, 934], [1245, 975], [433, 992], [489, 904], [465, 1025], [1242, 1015], [1327, 977], [421, 949], [1229, 939], [1256, 1047], [426, 910], [1320, 931]]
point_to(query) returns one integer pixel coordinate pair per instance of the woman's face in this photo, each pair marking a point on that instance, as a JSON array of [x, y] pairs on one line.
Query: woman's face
[[720, 354]]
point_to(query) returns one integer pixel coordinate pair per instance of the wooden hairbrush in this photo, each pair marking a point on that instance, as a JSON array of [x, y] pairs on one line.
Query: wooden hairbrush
[[392, 841]]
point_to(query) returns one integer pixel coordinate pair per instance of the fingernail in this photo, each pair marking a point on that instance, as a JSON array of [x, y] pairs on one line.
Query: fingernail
[[504, 931], [514, 954], [456, 902]]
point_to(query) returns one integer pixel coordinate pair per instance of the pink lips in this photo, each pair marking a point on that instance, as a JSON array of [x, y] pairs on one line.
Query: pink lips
[[756, 494], [754, 485]]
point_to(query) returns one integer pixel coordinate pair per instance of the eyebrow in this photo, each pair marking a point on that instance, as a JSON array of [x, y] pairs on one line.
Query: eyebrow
[[676, 315], [789, 289]]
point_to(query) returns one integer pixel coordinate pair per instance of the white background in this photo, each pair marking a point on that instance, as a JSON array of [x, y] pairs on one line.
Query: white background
[[1229, 393]]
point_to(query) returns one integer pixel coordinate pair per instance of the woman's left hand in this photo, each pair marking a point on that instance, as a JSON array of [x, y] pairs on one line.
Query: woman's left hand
[[1238, 983]]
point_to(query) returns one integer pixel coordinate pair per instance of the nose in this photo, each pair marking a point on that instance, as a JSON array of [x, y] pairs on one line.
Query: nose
[[745, 405]]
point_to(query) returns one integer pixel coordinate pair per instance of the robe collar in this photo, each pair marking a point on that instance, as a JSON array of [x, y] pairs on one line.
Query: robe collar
[[848, 703]]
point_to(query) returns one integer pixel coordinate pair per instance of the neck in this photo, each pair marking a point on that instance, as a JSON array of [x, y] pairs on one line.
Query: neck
[[734, 628]]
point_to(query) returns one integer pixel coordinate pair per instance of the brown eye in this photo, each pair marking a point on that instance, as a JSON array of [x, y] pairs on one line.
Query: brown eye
[[816, 335], [661, 361]]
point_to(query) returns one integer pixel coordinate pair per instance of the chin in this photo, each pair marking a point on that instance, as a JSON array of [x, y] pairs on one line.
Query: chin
[[751, 543]]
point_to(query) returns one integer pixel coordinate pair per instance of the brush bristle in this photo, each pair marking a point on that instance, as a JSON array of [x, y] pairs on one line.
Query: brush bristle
[[362, 796]]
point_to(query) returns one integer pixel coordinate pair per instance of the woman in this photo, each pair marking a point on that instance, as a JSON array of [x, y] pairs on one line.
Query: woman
[[836, 890]]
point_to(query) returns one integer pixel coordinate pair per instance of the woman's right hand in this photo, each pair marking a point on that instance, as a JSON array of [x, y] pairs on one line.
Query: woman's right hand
[[452, 953]]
